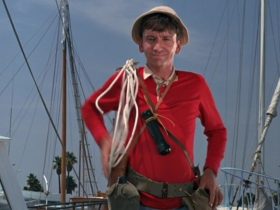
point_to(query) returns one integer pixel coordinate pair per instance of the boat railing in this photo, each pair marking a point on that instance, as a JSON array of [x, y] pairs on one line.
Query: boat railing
[[258, 192]]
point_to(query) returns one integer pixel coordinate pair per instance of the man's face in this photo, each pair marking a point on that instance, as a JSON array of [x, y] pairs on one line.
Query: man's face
[[159, 47]]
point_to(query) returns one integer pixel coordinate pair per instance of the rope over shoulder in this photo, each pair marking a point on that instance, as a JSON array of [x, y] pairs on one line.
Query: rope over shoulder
[[127, 102]]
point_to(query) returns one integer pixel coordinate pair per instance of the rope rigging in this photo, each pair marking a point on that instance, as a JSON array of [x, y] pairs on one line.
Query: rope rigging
[[51, 121], [126, 104], [30, 70]]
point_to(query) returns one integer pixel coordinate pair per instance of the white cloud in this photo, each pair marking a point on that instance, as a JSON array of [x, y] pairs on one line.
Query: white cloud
[[117, 16]]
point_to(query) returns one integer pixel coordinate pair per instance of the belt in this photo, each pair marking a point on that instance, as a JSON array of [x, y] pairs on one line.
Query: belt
[[158, 189]]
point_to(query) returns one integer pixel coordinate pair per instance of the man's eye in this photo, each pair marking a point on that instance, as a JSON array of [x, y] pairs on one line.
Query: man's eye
[[151, 39], [166, 38]]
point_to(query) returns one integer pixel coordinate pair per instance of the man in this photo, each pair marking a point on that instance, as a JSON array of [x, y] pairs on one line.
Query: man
[[176, 99]]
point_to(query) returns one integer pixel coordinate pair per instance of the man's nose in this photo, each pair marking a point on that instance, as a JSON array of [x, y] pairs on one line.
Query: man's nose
[[157, 45]]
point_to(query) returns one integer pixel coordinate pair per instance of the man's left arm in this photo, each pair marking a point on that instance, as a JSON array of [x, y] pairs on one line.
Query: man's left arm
[[217, 137], [214, 129]]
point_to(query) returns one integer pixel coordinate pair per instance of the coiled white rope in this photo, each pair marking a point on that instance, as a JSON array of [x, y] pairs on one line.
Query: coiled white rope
[[127, 102]]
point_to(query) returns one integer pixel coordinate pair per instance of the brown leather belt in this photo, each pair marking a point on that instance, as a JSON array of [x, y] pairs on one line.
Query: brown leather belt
[[158, 189]]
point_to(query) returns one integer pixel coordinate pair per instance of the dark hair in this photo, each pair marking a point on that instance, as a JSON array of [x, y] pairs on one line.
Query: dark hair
[[160, 22]]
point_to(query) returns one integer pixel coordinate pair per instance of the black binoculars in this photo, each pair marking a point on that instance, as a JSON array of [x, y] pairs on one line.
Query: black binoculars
[[154, 129]]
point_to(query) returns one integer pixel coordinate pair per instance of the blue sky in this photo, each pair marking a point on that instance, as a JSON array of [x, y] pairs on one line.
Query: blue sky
[[101, 32]]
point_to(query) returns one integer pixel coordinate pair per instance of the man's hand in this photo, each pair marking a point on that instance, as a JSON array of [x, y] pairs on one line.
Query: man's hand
[[105, 147], [208, 181]]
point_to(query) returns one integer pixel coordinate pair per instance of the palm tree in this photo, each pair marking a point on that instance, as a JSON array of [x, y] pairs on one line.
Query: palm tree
[[33, 184], [71, 184], [57, 167], [71, 160]]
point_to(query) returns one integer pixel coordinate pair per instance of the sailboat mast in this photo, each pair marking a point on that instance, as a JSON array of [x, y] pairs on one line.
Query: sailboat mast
[[64, 15], [85, 163], [64, 129], [261, 77]]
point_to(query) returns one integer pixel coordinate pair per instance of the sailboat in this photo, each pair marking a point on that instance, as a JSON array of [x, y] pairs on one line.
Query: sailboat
[[254, 188], [87, 193], [237, 156]]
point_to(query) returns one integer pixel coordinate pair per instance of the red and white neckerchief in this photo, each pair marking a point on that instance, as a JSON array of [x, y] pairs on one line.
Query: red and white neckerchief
[[158, 80]]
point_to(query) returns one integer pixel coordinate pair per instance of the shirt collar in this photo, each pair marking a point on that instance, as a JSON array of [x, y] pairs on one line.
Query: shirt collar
[[148, 72]]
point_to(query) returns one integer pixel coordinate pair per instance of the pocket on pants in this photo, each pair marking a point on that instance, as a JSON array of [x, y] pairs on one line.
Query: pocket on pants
[[123, 196], [198, 200]]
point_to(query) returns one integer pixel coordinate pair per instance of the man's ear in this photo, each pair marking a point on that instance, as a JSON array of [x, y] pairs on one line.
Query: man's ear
[[140, 47], [179, 47]]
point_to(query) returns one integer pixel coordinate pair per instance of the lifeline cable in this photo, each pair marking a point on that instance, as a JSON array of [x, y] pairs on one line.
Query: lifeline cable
[[30, 71]]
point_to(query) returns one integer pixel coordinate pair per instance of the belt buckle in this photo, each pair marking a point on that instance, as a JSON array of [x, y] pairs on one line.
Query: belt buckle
[[164, 190]]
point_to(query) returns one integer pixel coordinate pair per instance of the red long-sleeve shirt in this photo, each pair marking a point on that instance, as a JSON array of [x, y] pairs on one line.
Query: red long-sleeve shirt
[[188, 98]]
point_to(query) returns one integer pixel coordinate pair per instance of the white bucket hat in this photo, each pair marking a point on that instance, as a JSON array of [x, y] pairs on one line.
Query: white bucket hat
[[136, 36]]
